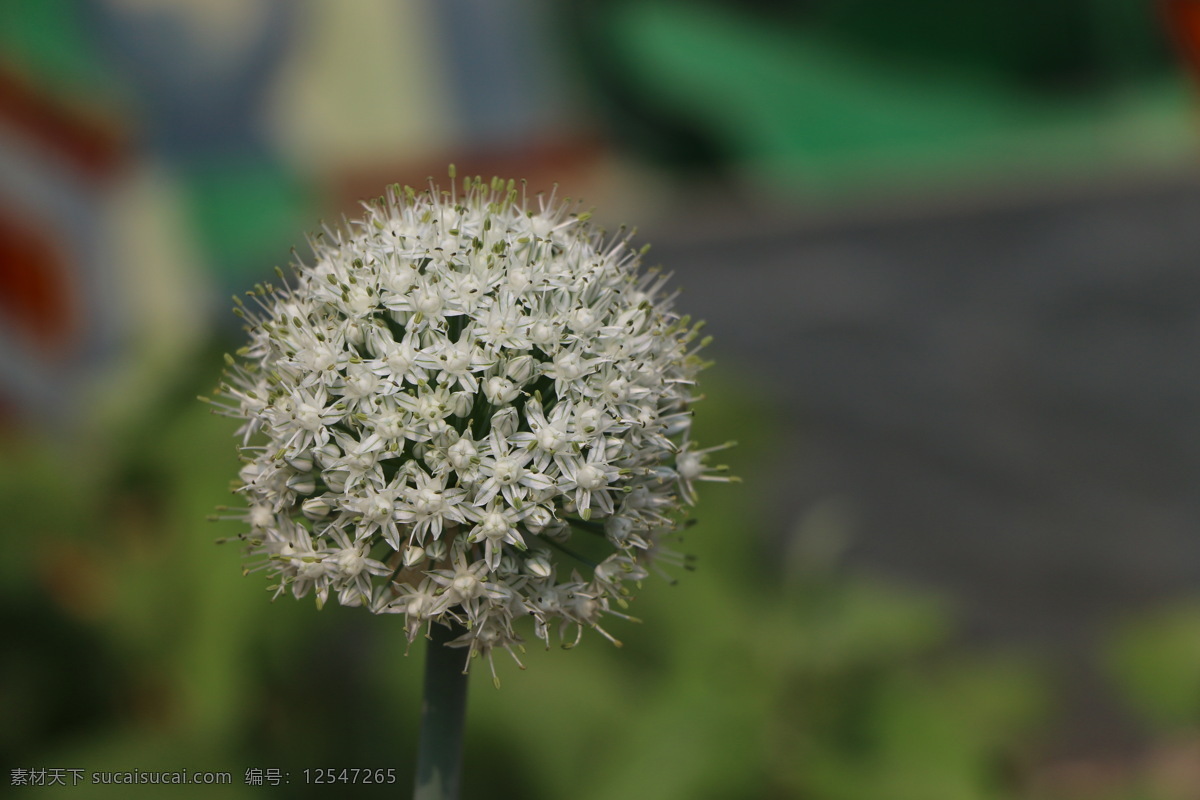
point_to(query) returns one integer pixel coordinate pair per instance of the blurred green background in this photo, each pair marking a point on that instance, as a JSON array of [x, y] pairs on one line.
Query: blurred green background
[[157, 156]]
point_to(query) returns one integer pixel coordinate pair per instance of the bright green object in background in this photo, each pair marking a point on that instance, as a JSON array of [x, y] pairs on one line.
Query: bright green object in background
[[48, 42], [840, 96], [246, 214]]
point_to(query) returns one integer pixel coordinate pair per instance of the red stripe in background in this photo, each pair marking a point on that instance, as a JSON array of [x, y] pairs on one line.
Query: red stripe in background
[[1182, 18], [37, 297], [88, 141]]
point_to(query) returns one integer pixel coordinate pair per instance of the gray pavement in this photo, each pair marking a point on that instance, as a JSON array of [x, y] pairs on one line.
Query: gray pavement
[[1006, 393]]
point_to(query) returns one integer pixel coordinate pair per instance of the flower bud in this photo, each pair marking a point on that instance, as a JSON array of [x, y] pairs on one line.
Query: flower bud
[[301, 462], [437, 550], [505, 421], [326, 454], [520, 369], [538, 518], [356, 333], [441, 433], [302, 484], [335, 479], [539, 566], [508, 566], [461, 403], [315, 508]]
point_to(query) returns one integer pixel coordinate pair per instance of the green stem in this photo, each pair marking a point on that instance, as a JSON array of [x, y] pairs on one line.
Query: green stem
[[443, 712]]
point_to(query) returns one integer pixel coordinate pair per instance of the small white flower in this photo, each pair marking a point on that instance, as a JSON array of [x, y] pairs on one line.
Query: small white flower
[[429, 506], [396, 362], [459, 386], [588, 479], [455, 362], [463, 455], [500, 390], [497, 526], [691, 467]]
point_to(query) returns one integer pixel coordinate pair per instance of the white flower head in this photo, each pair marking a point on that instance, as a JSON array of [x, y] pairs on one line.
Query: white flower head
[[469, 409]]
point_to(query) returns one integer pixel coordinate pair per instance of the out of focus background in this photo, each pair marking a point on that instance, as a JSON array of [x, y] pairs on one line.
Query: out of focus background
[[949, 255]]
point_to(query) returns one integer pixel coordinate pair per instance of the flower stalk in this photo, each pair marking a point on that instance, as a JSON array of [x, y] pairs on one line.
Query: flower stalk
[[443, 714]]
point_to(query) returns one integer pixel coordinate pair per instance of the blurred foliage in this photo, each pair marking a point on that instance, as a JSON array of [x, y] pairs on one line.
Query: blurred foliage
[[1155, 661], [136, 643]]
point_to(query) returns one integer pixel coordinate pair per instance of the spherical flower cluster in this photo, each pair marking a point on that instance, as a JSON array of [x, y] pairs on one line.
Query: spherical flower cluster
[[470, 410]]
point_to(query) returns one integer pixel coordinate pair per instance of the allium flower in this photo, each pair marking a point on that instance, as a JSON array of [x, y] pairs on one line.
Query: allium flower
[[467, 409]]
